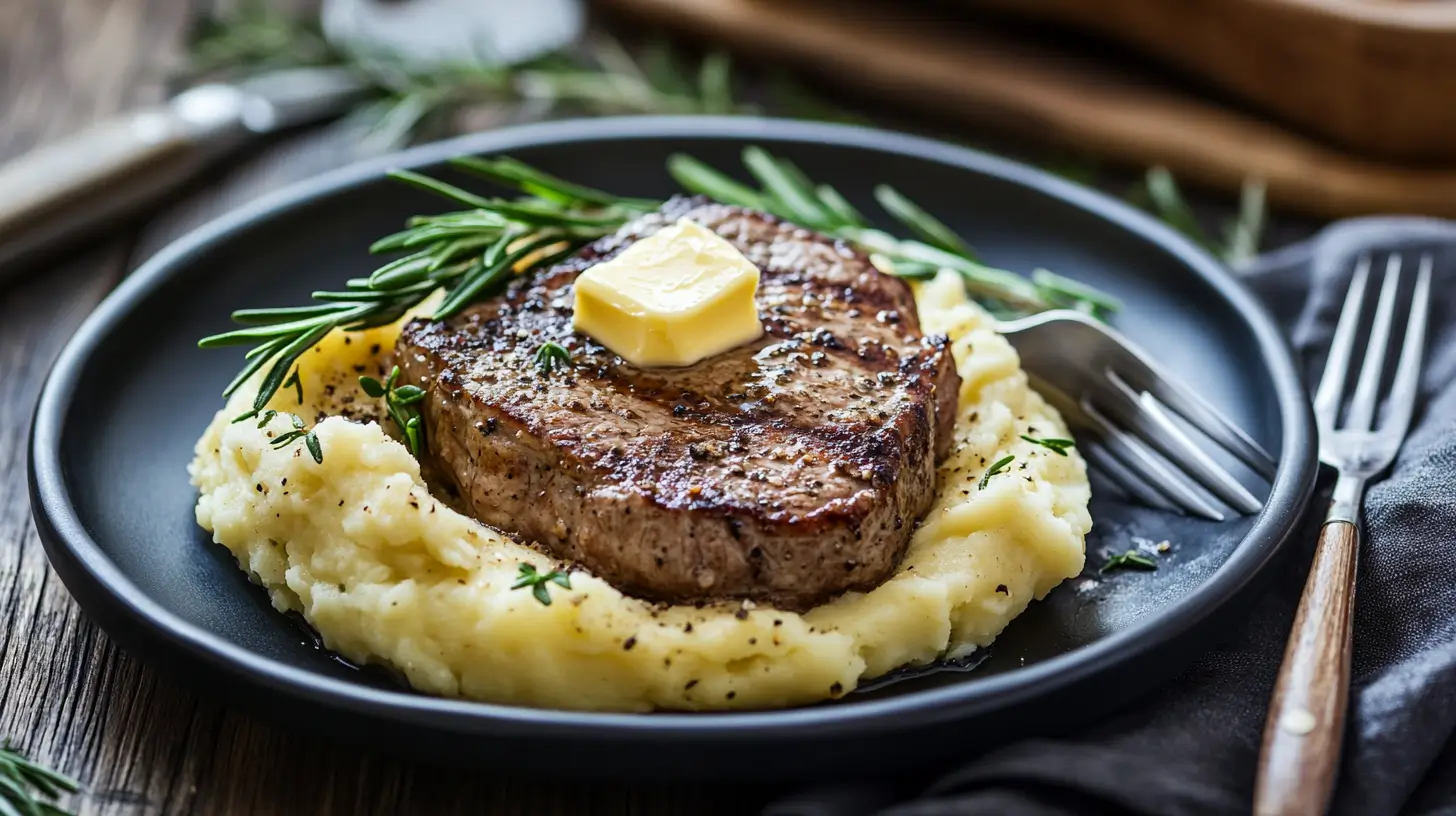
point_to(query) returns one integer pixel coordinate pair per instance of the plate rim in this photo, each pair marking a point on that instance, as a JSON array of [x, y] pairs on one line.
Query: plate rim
[[64, 534]]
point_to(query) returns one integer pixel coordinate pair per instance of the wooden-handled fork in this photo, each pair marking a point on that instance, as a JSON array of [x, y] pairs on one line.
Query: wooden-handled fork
[[1306, 723]]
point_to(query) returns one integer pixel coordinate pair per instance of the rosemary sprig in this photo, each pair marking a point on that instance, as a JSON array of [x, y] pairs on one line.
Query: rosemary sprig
[[785, 191], [538, 581], [26, 786], [1000, 466], [473, 253], [1057, 446], [552, 356], [400, 401]]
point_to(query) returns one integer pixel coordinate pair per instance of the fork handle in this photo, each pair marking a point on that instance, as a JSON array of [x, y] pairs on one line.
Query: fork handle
[[1306, 724]]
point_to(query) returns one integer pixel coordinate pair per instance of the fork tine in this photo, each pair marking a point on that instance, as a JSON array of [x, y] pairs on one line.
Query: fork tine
[[1141, 459], [1124, 478], [1408, 370], [1200, 414], [1212, 423], [1141, 414], [1337, 367], [1367, 390]]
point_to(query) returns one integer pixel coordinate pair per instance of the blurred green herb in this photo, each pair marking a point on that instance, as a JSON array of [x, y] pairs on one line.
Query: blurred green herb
[[27, 789], [1242, 235], [1245, 233], [598, 76], [256, 36]]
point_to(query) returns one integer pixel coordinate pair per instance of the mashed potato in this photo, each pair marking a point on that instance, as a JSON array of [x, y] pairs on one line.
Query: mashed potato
[[388, 574]]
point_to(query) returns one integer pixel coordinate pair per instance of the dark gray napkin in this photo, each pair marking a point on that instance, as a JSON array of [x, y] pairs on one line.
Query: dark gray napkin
[[1191, 748]]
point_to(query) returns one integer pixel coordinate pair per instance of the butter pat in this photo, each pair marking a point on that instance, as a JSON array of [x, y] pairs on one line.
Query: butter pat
[[676, 297]]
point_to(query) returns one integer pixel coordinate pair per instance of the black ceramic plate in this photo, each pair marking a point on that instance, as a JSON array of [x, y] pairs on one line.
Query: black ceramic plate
[[114, 431]]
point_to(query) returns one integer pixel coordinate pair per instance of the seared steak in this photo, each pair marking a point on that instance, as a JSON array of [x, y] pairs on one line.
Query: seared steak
[[787, 470]]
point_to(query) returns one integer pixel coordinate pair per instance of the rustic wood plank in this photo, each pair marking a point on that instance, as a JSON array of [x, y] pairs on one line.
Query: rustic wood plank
[[143, 741]]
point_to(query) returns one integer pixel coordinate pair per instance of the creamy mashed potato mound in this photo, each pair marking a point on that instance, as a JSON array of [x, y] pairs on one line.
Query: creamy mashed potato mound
[[390, 575]]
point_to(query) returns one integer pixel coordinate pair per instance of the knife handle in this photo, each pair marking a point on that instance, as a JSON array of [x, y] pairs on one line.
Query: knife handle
[[1306, 723], [69, 187]]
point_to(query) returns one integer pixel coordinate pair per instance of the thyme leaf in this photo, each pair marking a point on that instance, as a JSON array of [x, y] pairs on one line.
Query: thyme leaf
[[529, 577], [300, 431], [399, 401]]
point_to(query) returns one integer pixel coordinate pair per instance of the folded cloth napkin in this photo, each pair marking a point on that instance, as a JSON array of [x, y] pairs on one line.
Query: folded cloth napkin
[[1191, 748]]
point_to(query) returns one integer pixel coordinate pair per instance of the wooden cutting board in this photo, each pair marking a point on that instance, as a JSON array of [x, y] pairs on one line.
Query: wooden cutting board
[[1014, 86]]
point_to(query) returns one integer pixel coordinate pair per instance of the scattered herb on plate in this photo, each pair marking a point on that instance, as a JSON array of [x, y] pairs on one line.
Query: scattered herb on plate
[[1132, 559], [1000, 466], [538, 581], [400, 401]]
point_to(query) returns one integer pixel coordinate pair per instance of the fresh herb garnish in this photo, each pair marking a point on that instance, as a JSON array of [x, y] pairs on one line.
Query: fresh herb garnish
[[1001, 466], [1057, 446], [552, 356], [786, 192], [1132, 559], [473, 253], [537, 581], [400, 402], [300, 431], [25, 786]]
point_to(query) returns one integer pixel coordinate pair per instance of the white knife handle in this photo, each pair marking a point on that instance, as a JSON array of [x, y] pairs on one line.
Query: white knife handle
[[72, 185]]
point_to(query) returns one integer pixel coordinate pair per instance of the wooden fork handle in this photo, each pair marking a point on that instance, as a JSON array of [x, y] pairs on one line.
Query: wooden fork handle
[[1306, 725]]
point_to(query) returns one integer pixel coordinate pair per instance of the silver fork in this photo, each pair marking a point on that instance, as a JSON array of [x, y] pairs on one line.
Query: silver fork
[[1305, 725], [1118, 400]]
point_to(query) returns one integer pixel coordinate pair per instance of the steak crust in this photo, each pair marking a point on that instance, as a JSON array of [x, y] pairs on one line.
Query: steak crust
[[786, 471]]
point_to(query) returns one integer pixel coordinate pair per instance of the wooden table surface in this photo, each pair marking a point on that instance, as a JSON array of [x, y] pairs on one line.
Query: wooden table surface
[[141, 741]]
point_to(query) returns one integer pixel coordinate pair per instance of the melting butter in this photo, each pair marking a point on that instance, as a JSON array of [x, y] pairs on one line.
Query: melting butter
[[674, 298]]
